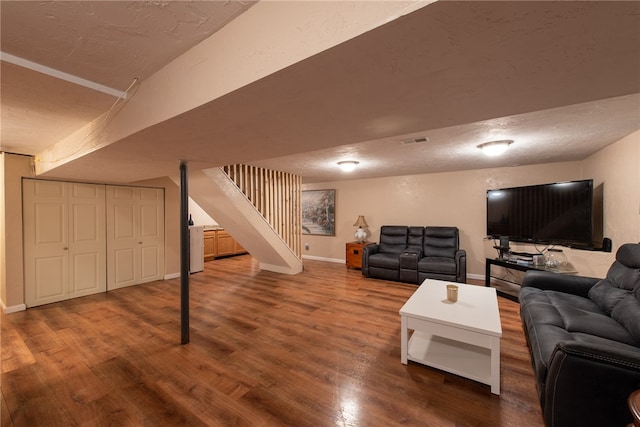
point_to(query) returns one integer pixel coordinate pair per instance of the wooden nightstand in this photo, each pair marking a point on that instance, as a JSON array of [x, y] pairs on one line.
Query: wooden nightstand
[[354, 254]]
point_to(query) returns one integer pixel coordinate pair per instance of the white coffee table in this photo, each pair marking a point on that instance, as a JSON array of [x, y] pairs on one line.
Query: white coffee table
[[462, 338]]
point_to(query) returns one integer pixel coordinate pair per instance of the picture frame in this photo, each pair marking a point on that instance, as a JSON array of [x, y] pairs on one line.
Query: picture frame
[[318, 212]]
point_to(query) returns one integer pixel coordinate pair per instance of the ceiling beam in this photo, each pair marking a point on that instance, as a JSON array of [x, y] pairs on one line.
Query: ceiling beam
[[34, 66]]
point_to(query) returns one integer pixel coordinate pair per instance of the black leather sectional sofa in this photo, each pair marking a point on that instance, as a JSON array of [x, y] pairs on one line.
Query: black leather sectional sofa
[[412, 254], [584, 338]]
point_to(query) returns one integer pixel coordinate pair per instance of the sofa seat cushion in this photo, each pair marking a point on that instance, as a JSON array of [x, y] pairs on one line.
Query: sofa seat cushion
[[385, 260], [438, 265], [551, 316]]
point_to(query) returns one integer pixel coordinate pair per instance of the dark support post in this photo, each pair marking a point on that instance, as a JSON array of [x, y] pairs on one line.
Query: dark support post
[[184, 255]]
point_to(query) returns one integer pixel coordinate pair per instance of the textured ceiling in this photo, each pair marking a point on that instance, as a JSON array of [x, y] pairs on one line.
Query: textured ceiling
[[562, 79], [107, 42]]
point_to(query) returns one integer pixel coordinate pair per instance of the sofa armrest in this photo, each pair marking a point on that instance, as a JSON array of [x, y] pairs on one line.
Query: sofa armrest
[[588, 384], [622, 356], [371, 249], [546, 280], [461, 263], [366, 252]]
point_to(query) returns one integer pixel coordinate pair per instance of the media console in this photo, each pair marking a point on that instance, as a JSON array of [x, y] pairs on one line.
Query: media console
[[568, 269]]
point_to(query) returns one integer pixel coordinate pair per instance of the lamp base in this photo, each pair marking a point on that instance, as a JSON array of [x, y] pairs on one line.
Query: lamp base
[[360, 235]]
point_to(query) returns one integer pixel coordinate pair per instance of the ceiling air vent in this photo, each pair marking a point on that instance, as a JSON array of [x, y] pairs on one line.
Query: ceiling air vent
[[416, 140]]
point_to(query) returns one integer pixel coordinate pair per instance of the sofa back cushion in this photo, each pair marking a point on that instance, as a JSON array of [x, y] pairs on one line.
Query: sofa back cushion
[[393, 238], [414, 239], [440, 242], [618, 294]]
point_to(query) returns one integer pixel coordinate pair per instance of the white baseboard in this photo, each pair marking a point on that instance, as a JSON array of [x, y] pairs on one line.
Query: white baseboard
[[14, 308], [171, 276], [475, 276], [319, 258]]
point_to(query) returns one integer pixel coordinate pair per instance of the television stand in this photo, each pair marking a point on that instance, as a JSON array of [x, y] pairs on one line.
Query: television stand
[[503, 250], [568, 269], [527, 254]]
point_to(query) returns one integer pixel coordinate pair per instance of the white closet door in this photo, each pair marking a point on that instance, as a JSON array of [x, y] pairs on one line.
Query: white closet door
[[87, 240], [122, 239], [135, 235], [64, 240], [151, 234], [46, 245]]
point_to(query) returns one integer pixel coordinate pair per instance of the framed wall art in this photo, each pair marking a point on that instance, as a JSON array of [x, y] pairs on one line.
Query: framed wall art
[[319, 212]]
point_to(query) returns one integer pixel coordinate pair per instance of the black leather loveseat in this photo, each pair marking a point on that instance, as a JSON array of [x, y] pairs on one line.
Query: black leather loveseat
[[412, 254], [584, 338]]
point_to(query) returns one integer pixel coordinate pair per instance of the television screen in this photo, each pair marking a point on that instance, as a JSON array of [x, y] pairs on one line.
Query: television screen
[[558, 213]]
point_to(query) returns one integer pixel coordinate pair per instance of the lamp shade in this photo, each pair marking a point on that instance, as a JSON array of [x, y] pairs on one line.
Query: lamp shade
[[360, 222]]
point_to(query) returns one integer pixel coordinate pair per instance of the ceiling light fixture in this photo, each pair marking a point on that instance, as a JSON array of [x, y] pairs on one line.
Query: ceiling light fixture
[[348, 165], [495, 148]]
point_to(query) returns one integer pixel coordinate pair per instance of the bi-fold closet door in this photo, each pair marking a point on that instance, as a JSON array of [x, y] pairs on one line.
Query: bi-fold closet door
[[81, 239], [64, 240], [135, 235]]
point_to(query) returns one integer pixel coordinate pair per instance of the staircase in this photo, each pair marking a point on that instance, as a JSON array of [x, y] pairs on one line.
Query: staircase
[[260, 208]]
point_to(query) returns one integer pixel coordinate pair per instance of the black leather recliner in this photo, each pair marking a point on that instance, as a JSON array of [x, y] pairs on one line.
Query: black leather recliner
[[383, 261], [584, 338], [442, 257], [413, 254]]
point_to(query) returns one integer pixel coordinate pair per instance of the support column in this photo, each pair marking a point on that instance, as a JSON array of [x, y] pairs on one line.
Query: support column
[[184, 254]]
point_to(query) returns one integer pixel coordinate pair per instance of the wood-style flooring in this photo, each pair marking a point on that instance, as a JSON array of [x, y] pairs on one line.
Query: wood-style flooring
[[321, 348]]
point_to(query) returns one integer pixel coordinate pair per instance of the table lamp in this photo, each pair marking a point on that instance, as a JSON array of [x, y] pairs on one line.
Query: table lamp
[[360, 235]]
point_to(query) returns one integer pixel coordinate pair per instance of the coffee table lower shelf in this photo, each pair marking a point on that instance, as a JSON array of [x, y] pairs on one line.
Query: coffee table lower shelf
[[466, 360]]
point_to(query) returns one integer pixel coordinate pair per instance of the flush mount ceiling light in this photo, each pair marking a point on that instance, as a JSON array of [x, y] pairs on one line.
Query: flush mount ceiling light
[[348, 165], [495, 148]]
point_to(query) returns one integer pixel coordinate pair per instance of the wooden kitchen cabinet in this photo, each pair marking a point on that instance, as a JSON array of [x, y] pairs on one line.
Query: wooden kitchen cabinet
[[219, 243], [225, 244], [209, 245]]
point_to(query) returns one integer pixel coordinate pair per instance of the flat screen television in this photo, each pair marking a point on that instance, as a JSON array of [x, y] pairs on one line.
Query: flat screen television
[[559, 213]]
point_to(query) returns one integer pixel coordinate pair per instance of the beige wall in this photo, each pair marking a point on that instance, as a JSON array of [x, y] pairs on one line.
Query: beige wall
[[14, 167], [458, 198], [618, 168], [199, 216]]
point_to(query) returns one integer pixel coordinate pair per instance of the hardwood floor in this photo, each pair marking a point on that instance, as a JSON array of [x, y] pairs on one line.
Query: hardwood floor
[[321, 348]]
